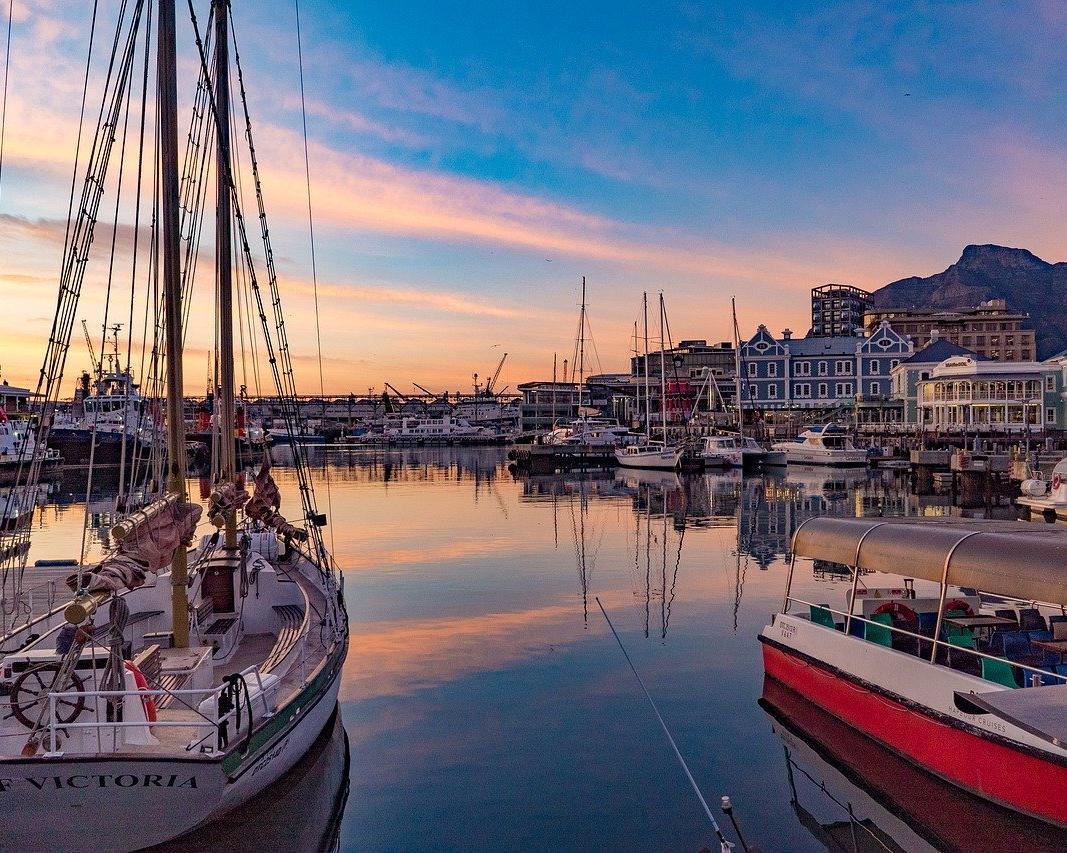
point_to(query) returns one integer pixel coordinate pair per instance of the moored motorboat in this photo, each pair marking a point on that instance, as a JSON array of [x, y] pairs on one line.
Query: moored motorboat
[[907, 669], [650, 455], [1046, 497], [827, 444]]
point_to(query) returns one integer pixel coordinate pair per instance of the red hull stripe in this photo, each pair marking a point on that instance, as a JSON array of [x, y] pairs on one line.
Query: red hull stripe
[[1008, 776]]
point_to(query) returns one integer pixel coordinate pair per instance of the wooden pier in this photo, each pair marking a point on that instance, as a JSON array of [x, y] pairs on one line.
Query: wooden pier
[[548, 459]]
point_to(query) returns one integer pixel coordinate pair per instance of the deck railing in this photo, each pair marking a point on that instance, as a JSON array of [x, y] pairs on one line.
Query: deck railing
[[196, 695], [922, 638]]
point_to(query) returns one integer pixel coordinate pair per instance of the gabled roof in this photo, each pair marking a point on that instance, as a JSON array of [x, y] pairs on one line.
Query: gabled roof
[[939, 350]]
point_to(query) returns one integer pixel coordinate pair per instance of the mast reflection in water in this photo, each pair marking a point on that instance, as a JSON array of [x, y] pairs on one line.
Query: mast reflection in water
[[488, 708]]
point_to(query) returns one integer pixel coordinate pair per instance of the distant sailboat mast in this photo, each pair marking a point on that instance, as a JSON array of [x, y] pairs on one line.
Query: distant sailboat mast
[[648, 400], [737, 372], [662, 372]]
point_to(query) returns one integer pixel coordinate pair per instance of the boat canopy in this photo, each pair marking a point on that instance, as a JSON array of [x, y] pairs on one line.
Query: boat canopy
[[1003, 558]]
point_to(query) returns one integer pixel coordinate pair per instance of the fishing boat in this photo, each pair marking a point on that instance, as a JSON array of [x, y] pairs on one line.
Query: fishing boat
[[193, 665], [648, 453], [977, 698], [822, 444]]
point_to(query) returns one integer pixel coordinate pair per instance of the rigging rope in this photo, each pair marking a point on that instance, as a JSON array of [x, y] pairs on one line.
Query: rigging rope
[[314, 267], [7, 75]]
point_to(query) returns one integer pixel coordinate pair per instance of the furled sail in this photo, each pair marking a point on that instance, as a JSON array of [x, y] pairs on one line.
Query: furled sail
[[146, 546], [265, 502]]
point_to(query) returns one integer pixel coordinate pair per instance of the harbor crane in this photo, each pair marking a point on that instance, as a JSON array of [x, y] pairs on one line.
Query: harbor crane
[[97, 367], [496, 375]]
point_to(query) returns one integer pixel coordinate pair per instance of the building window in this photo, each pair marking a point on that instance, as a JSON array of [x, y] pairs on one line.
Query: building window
[[772, 391], [893, 364], [822, 368], [876, 367], [752, 392], [1050, 383], [875, 389], [843, 368], [843, 389], [822, 389], [772, 369], [1050, 416], [803, 389], [752, 367], [803, 368]]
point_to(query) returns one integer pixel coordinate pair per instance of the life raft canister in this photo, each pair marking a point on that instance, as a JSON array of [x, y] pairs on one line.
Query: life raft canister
[[148, 701]]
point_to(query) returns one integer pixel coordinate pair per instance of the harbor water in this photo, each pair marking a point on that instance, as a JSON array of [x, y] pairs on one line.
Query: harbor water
[[486, 705]]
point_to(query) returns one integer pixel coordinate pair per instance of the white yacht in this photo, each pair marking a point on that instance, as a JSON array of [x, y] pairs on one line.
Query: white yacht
[[19, 449], [827, 444], [591, 432]]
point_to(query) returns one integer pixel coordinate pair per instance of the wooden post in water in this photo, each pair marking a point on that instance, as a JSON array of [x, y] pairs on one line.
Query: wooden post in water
[[224, 262], [167, 75]]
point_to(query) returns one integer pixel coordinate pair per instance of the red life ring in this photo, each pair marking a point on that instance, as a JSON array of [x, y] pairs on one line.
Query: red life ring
[[142, 684], [959, 604], [897, 609], [1057, 481]]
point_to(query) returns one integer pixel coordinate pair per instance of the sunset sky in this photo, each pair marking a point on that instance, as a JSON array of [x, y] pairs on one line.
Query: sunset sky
[[470, 162]]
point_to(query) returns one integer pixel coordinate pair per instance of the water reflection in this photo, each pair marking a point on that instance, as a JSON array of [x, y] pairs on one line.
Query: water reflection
[[487, 704], [851, 794]]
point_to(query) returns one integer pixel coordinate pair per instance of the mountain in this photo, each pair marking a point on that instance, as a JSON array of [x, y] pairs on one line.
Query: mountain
[[1018, 276]]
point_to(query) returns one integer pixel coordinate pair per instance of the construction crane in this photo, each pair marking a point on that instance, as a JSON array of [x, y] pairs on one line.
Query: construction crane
[[92, 352], [424, 390], [496, 375], [402, 396]]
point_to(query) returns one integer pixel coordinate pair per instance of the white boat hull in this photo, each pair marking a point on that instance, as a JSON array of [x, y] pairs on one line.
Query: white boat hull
[[139, 801], [822, 456], [661, 459]]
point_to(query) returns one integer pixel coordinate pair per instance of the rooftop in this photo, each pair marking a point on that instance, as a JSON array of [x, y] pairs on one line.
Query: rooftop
[[937, 351]]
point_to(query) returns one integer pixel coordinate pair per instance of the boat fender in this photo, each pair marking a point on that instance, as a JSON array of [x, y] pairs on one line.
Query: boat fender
[[1057, 481], [959, 604], [900, 611], [148, 702]]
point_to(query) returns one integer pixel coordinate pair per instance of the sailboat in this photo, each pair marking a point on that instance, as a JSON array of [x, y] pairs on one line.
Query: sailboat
[[186, 673], [649, 453]]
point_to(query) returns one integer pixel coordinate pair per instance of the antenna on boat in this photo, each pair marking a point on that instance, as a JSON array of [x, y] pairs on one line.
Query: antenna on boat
[[724, 845]]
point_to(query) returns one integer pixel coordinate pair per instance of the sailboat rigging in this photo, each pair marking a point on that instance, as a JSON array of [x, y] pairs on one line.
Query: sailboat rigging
[[211, 662]]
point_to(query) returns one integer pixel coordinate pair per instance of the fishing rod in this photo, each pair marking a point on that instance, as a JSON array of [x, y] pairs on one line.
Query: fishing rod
[[724, 845]]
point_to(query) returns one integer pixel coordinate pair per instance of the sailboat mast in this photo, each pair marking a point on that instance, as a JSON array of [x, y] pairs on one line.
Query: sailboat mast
[[737, 372], [581, 339], [648, 400], [224, 261], [662, 373], [167, 74]]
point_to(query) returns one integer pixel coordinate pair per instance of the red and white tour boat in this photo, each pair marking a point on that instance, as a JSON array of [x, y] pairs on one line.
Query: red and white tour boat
[[984, 711]]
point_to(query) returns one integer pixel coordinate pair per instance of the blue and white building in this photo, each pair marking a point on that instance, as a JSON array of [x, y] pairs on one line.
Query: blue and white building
[[819, 372]]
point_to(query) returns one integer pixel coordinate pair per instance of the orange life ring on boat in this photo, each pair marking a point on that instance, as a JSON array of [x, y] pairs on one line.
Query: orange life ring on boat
[[958, 604], [1057, 481], [897, 609], [142, 684]]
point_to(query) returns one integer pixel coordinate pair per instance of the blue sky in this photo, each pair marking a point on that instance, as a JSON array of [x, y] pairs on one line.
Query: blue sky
[[471, 161]]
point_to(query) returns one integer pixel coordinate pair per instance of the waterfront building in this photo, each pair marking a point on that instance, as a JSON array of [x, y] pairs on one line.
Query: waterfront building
[[917, 368], [14, 400], [819, 372], [968, 394], [837, 309], [545, 404], [690, 359], [991, 329]]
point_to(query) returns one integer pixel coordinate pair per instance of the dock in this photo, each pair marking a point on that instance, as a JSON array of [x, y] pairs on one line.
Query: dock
[[548, 459]]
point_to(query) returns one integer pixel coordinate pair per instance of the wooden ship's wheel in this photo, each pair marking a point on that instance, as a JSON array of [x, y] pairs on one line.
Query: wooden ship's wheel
[[29, 696]]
